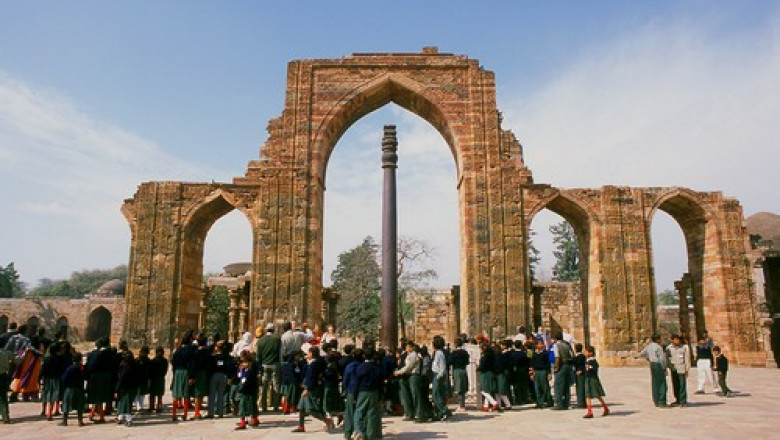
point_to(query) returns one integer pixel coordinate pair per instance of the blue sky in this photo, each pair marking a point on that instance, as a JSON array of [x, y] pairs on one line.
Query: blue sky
[[96, 97]]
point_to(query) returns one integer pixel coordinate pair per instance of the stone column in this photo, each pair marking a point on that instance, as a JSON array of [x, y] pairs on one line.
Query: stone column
[[682, 287], [233, 329], [204, 305], [389, 335]]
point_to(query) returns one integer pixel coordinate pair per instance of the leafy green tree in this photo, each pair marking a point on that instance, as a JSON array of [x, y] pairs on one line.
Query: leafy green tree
[[217, 308], [667, 297], [356, 280], [534, 256], [79, 284], [567, 252], [10, 286]]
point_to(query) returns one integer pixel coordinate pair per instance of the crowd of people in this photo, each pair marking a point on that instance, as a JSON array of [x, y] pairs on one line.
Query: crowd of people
[[306, 371]]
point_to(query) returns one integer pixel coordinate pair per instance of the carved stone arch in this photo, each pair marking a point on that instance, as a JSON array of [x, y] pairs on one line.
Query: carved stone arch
[[585, 223], [372, 95], [203, 213], [98, 324], [694, 218]]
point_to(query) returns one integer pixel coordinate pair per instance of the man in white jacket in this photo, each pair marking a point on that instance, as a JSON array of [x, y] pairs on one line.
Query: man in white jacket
[[679, 366]]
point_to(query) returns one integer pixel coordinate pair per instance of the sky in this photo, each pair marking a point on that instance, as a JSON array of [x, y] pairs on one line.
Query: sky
[[97, 97]]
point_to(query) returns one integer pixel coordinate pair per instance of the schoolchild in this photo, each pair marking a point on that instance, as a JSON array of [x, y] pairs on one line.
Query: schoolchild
[[73, 395], [722, 369], [332, 401], [487, 378], [459, 360], [100, 371], [200, 368], [158, 367], [704, 365], [247, 391], [143, 364], [540, 372], [579, 374], [312, 391], [593, 387], [368, 414], [51, 375], [349, 385], [504, 369], [289, 382], [223, 365], [126, 388], [180, 388]]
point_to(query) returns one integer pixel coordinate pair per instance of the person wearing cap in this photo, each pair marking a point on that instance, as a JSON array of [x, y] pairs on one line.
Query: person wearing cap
[[656, 356], [268, 355]]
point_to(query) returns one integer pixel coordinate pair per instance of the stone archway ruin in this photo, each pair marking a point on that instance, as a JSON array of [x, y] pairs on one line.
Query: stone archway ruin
[[282, 195]]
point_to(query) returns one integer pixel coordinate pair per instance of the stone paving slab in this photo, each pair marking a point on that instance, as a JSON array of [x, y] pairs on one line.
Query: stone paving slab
[[754, 413]]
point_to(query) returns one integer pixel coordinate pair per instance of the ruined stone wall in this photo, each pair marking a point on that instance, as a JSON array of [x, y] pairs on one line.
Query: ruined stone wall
[[77, 311], [282, 196], [561, 308], [433, 316]]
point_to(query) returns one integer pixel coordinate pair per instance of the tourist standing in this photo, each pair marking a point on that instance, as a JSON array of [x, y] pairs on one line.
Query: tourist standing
[[410, 382], [439, 369], [679, 364], [268, 351], [563, 371], [222, 363]]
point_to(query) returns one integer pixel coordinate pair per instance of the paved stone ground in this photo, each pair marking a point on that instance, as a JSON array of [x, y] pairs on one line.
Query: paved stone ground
[[752, 414]]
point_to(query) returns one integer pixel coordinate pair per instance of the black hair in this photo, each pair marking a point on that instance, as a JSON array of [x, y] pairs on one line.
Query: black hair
[[286, 325], [438, 342]]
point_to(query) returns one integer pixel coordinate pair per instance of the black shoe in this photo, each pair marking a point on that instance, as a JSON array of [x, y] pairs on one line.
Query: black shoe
[[558, 408]]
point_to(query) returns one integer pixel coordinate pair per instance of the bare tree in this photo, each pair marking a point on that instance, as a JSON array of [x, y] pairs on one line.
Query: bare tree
[[415, 271]]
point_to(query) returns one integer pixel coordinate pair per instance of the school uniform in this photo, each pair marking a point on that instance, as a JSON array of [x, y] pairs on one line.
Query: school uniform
[[100, 372], [51, 373], [368, 416], [593, 387], [410, 385], [332, 401], [158, 368], [72, 381], [311, 403], [540, 365], [247, 391], [180, 362], [349, 385], [126, 388], [579, 378], [199, 370], [722, 368], [459, 360], [564, 356], [290, 384], [520, 379]]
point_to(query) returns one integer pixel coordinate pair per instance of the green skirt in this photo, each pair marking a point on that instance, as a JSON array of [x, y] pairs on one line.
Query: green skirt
[[593, 388], [460, 381], [180, 388], [100, 388], [312, 403], [487, 380], [332, 401], [291, 393], [502, 384], [125, 402], [201, 386], [245, 404]]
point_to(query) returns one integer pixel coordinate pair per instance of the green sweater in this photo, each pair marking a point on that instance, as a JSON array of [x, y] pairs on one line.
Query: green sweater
[[268, 349]]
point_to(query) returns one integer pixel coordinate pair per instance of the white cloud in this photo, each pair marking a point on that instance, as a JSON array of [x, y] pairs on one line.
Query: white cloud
[[667, 105], [64, 174]]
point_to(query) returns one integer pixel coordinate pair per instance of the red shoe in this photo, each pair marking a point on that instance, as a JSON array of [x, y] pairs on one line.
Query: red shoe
[[299, 429], [606, 412], [241, 425], [255, 422], [589, 415]]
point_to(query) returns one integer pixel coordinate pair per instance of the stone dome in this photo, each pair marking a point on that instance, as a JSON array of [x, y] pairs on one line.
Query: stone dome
[[115, 287]]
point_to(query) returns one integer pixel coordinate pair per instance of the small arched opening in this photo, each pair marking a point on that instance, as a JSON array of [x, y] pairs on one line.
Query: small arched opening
[[98, 324]]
